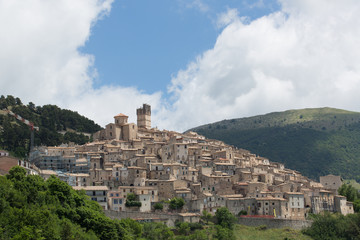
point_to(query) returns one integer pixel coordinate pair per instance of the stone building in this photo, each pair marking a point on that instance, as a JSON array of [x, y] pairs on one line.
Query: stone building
[[144, 116], [331, 182]]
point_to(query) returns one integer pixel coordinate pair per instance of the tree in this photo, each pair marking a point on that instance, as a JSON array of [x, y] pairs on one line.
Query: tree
[[158, 206], [176, 203], [157, 231], [334, 226], [206, 216], [225, 218], [349, 192], [242, 212], [17, 173], [183, 228], [224, 233], [131, 201]]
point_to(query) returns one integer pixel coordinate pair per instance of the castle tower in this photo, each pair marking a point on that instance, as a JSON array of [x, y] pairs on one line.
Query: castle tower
[[144, 116]]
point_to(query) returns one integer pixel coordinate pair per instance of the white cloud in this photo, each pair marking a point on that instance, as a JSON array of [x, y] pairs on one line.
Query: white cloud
[[305, 55], [227, 17], [195, 4], [40, 60]]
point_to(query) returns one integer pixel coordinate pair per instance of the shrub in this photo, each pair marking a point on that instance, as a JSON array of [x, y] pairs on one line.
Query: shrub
[[176, 203], [131, 201], [242, 212], [158, 206]]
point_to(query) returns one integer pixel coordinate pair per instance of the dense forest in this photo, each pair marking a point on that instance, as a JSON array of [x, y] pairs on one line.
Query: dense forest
[[315, 142], [56, 126]]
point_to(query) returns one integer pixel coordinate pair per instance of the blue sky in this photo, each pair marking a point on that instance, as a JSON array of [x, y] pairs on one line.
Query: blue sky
[[144, 43], [193, 61]]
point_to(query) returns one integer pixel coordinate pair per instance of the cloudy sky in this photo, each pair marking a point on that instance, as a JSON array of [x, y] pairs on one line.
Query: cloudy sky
[[194, 61]]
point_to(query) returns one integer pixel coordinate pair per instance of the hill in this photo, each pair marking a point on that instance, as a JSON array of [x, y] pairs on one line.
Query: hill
[[315, 141], [56, 126]]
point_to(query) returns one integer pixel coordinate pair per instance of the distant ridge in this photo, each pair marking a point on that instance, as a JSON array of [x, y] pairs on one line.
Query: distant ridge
[[314, 141]]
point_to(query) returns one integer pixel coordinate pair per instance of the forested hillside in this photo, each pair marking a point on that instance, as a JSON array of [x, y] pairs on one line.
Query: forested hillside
[[56, 126], [315, 142]]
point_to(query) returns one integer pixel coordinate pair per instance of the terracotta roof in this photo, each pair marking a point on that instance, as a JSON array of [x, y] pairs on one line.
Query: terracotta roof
[[6, 163], [121, 115]]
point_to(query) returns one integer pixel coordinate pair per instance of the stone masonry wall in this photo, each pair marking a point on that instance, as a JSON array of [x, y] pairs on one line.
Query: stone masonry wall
[[275, 223], [168, 218]]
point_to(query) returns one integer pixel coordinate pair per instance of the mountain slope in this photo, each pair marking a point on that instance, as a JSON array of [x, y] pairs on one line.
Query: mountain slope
[[56, 126], [315, 142]]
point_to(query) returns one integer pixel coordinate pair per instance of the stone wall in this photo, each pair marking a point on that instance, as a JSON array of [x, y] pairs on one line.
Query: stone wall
[[275, 223], [168, 218]]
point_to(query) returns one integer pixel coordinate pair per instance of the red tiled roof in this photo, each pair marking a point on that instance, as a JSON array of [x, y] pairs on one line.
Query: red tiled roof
[[6, 163]]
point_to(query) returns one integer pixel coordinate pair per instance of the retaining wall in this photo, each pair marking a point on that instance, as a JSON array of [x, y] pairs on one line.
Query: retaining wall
[[275, 223], [168, 218]]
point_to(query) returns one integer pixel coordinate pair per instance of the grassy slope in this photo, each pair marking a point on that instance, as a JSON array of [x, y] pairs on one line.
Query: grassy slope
[[252, 233], [314, 141]]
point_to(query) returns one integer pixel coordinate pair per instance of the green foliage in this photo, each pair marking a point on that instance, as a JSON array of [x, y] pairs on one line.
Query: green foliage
[[261, 227], [242, 212], [183, 228], [206, 216], [158, 206], [322, 141], [349, 192], [176, 203], [334, 226], [15, 136], [224, 233], [225, 218], [251, 233], [31, 208], [157, 231], [131, 201]]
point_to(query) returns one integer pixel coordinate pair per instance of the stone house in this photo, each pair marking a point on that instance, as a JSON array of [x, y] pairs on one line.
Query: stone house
[[342, 206], [295, 205], [331, 182]]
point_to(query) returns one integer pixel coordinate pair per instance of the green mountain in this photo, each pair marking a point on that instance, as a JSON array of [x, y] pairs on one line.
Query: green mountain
[[315, 142], [56, 126]]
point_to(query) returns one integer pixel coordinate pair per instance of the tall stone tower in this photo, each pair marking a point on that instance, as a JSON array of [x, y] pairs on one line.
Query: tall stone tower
[[144, 116]]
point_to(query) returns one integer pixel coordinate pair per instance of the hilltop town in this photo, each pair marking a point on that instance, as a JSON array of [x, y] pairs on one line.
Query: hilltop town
[[158, 165]]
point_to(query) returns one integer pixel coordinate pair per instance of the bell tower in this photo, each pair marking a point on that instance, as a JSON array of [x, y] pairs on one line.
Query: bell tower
[[144, 116]]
